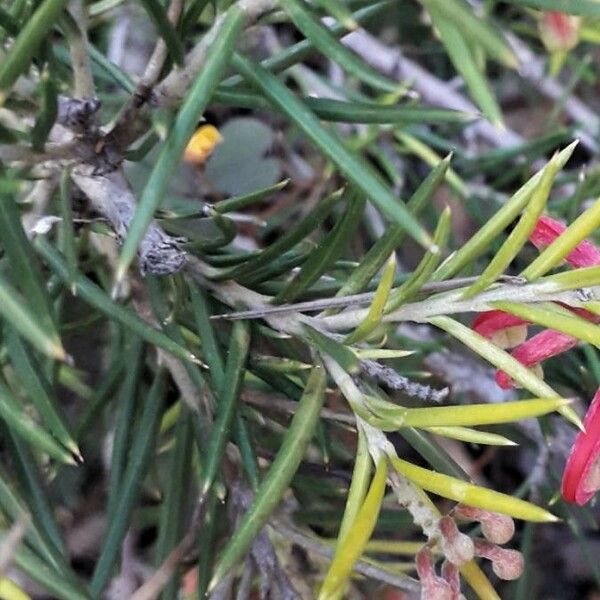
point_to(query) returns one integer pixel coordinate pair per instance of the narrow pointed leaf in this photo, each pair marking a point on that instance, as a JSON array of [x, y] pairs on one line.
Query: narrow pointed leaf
[[504, 361], [471, 436], [350, 548], [426, 266], [328, 44], [375, 313], [185, 124], [279, 475], [393, 237], [481, 241], [165, 29], [90, 293], [354, 168], [27, 43], [326, 253], [519, 235], [472, 495]]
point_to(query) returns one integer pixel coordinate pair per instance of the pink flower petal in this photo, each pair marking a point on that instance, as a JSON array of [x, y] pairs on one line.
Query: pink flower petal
[[547, 229], [580, 478], [491, 321], [540, 347]]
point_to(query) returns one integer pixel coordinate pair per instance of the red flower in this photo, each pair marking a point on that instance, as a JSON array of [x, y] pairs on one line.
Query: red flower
[[504, 329], [581, 478], [547, 229]]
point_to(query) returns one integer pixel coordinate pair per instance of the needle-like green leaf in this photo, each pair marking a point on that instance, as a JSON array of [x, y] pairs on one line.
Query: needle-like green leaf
[[138, 463], [279, 475], [471, 436], [165, 29], [504, 361], [191, 110], [15, 312], [27, 43], [351, 546], [480, 242], [328, 44], [326, 253], [92, 294], [472, 495], [38, 389], [519, 235], [354, 168], [375, 313]]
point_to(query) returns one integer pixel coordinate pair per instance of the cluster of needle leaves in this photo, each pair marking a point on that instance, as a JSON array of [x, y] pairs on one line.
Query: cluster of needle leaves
[[278, 393]]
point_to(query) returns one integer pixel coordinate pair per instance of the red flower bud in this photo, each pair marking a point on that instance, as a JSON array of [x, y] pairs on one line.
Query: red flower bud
[[506, 564], [559, 31], [456, 546], [432, 586], [496, 528]]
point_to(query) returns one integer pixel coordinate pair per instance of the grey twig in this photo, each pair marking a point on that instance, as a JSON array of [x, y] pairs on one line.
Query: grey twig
[[111, 196], [388, 377]]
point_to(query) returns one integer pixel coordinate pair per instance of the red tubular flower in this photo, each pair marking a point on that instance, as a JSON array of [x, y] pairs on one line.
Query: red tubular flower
[[540, 347], [547, 229], [503, 329], [506, 330], [581, 478]]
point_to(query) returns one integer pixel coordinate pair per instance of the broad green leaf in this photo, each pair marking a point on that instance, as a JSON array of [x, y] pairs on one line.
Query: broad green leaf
[[184, 125], [26, 44], [519, 235], [351, 546], [279, 475], [585, 224], [472, 495], [327, 43], [327, 252], [354, 168], [504, 361], [375, 313], [481, 241]]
